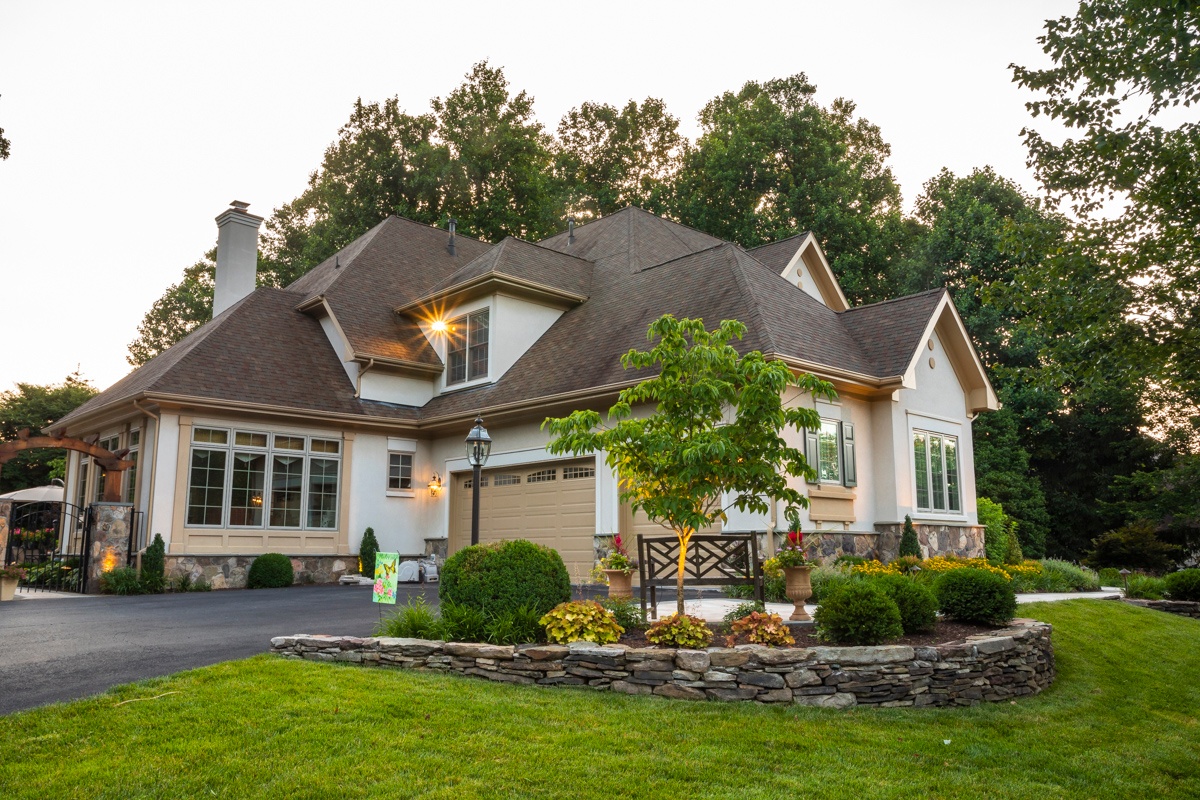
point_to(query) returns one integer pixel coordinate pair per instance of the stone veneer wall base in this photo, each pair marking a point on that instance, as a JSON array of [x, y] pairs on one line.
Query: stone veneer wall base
[[229, 572], [1001, 665]]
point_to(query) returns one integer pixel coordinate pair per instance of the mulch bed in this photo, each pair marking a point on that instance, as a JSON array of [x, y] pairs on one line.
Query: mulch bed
[[943, 633]]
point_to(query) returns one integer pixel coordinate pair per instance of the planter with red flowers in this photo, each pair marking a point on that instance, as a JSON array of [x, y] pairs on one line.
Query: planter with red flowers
[[797, 569], [616, 570], [10, 577]]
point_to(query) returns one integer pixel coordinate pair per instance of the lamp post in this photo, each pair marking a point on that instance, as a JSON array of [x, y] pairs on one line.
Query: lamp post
[[479, 446]]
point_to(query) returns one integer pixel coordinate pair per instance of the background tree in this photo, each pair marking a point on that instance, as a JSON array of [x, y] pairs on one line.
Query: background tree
[[609, 158], [34, 407], [771, 162], [715, 430], [5, 146], [1122, 71]]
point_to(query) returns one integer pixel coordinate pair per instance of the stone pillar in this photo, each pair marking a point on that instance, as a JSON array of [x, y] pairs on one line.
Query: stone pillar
[[5, 516], [108, 548]]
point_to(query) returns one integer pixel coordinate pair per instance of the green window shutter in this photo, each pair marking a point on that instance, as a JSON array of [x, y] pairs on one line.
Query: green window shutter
[[812, 450], [849, 464]]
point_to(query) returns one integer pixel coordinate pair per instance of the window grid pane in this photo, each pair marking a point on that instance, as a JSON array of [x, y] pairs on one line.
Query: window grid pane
[[322, 492], [206, 489], [456, 351], [399, 471], [951, 450], [249, 478], [921, 465], [478, 338], [287, 484], [937, 473], [131, 476], [830, 453]]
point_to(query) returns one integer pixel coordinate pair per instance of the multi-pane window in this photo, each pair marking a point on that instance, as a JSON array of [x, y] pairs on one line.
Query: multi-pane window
[[467, 347], [135, 440], [255, 478], [830, 451], [111, 444], [400, 467], [81, 483], [571, 473], [541, 476], [935, 459]]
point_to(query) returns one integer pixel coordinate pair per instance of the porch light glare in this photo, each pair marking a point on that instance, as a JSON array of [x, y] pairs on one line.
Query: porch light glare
[[438, 326]]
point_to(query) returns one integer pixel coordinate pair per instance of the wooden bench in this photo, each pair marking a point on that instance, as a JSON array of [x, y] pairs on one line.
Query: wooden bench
[[729, 559]]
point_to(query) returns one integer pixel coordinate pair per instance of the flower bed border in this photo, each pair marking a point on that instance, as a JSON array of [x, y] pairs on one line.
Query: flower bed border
[[1001, 665]]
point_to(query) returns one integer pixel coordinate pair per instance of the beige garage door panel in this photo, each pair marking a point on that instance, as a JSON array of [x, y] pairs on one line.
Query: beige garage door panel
[[558, 513]]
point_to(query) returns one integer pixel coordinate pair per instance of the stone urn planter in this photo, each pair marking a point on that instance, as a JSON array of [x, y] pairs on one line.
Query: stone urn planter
[[620, 583], [799, 589], [8, 588]]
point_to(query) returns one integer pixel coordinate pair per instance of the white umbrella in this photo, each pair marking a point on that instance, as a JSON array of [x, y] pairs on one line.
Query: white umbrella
[[36, 494]]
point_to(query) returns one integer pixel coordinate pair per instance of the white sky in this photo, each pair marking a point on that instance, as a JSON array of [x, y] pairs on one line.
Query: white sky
[[134, 124]]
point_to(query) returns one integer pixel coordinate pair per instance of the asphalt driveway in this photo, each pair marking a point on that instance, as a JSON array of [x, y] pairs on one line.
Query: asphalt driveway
[[53, 650]]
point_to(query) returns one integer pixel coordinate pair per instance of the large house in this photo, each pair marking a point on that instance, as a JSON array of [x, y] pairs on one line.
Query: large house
[[298, 417]]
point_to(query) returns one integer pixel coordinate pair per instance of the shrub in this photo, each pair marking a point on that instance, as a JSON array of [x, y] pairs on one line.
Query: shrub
[[183, 583], [581, 621], [1146, 587], [680, 630], [201, 585], [976, 595], [514, 626], [1012, 550], [505, 576], [1111, 576], [628, 613], [848, 559], [909, 545], [154, 566], [918, 607], [904, 564], [995, 525], [270, 571], [763, 628], [742, 610], [366, 553], [413, 620], [1063, 576], [826, 580], [461, 623], [123, 580], [1135, 546], [1183, 585], [858, 613]]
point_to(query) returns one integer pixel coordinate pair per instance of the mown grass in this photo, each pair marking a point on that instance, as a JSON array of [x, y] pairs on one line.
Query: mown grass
[[1121, 721]]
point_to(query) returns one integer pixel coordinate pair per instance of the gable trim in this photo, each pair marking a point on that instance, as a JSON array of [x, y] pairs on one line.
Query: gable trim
[[978, 393], [813, 256]]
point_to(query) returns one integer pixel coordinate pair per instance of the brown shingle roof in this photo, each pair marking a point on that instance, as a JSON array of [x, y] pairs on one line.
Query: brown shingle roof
[[632, 239], [527, 262], [890, 332], [777, 255]]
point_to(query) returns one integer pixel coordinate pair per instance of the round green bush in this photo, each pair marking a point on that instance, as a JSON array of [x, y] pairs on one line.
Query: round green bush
[[505, 576], [1184, 585], [976, 596], [270, 571], [858, 613], [918, 607]]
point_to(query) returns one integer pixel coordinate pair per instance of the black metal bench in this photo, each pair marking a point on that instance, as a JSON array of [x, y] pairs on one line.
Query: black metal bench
[[729, 559]]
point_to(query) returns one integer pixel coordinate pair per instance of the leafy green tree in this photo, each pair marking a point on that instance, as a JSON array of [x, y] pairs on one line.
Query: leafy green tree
[[715, 431], [5, 146], [184, 307], [1122, 72], [35, 406], [909, 544], [610, 158], [1167, 498], [500, 177], [1003, 474], [771, 162]]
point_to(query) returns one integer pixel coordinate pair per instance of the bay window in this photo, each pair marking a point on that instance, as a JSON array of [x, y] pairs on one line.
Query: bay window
[[257, 479]]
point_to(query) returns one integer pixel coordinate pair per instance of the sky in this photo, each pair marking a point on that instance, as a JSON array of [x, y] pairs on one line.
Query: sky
[[134, 124]]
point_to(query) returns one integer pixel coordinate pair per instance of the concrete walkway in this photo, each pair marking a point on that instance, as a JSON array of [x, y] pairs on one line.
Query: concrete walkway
[[714, 609]]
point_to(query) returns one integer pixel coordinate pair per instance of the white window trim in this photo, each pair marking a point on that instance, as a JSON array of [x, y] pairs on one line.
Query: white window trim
[[466, 313], [936, 430], [387, 473]]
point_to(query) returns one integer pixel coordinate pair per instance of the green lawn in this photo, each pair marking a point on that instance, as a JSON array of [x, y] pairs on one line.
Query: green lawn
[[1120, 722]]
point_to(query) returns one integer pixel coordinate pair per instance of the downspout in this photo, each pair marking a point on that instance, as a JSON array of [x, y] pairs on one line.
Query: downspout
[[358, 381], [153, 464]]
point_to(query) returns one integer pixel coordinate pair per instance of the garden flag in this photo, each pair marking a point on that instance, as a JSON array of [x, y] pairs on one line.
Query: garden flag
[[385, 577]]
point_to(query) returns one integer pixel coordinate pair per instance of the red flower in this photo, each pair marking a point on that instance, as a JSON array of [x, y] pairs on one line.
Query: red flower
[[796, 538], [617, 541]]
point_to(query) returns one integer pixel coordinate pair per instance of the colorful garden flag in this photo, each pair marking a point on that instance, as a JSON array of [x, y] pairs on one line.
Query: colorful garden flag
[[385, 577]]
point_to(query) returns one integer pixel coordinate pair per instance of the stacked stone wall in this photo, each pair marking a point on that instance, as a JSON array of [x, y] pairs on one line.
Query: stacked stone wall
[[1001, 665], [1184, 608]]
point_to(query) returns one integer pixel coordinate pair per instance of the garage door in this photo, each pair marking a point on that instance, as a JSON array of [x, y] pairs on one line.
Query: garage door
[[552, 504]]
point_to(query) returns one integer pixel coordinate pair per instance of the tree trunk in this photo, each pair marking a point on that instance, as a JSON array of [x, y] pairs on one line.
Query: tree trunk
[[684, 538]]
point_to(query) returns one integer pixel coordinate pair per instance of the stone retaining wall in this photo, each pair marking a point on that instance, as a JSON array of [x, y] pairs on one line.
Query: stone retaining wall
[[1183, 608], [229, 572], [1003, 664]]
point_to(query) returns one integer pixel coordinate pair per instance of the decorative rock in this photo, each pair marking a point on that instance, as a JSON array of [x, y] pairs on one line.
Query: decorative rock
[[678, 692], [713, 676], [828, 701], [549, 652], [729, 695], [766, 679], [728, 658], [692, 660], [783, 655], [802, 677], [775, 696], [630, 688], [468, 650], [883, 654]]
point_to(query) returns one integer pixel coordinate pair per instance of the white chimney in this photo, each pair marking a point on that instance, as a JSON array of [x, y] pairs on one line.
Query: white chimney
[[237, 255]]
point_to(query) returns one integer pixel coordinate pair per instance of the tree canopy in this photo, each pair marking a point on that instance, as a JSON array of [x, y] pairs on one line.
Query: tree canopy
[[715, 433], [35, 406]]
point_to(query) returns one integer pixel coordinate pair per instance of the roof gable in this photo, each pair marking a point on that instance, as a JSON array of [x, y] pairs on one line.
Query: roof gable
[[631, 240]]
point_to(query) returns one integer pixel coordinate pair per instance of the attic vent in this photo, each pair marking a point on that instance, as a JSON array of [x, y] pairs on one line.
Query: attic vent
[[570, 230], [452, 225]]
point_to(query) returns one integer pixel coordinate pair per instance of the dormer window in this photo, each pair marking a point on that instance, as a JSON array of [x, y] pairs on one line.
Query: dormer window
[[467, 348]]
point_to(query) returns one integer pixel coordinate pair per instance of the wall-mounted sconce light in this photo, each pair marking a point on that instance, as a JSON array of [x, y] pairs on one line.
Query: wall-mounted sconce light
[[435, 485]]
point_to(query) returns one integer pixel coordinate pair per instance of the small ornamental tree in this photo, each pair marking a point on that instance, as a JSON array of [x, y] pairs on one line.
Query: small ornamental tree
[[715, 430], [366, 553], [909, 544]]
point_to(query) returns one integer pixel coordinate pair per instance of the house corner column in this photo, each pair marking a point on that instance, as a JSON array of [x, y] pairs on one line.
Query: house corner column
[[108, 546], [5, 516]]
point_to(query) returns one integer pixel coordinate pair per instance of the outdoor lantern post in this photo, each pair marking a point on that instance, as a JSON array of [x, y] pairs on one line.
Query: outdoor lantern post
[[479, 446]]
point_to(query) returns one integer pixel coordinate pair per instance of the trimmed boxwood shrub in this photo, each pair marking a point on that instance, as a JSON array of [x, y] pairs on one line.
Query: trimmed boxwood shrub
[[909, 544], [858, 613], [270, 571], [976, 595], [366, 553], [1184, 585], [505, 576], [123, 580], [918, 607]]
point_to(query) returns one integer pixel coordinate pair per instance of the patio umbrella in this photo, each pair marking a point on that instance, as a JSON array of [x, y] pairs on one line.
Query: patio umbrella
[[36, 494]]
